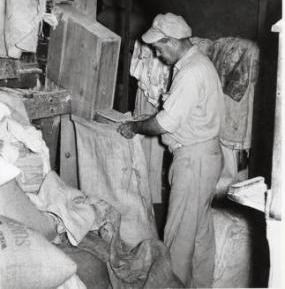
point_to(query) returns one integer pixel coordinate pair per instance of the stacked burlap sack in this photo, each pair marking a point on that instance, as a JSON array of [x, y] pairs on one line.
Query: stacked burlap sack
[[38, 210], [28, 259], [21, 144]]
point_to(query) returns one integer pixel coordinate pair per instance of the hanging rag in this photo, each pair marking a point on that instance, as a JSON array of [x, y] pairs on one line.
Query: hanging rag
[[204, 45], [236, 61], [151, 73]]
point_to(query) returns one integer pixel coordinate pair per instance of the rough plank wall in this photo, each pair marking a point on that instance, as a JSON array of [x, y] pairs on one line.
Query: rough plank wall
[[215, 18]]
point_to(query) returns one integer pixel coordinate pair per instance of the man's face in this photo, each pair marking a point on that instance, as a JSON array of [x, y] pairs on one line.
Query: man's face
[[165, 51]]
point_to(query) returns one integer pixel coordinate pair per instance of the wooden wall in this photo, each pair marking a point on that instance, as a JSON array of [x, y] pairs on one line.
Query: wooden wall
[[215, 18]]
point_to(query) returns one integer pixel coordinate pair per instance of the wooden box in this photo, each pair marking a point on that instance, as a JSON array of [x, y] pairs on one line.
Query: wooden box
[[83, 58]]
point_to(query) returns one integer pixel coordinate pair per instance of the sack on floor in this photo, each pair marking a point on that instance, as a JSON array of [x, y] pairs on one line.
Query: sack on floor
[[233, 252], [28, 260], [90, 269]]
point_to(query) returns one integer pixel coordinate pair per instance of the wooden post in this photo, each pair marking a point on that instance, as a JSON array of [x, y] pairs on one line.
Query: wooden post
[[262, 7], [277, 184], [68, 153]]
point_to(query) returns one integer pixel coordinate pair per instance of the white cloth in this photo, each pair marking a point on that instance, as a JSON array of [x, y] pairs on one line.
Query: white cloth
[[12, 132], [73, 282], [19, 139], [21, 20], [7, 171], [193, 108]]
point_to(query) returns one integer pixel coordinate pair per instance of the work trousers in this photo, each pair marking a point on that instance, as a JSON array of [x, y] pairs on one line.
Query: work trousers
[[189, 231]]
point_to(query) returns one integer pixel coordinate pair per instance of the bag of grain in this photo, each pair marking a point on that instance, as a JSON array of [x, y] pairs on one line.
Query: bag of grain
[[28, 260], [16, 205]]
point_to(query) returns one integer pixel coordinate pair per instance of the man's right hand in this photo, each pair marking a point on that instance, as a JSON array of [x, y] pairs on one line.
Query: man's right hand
[[126, 129]]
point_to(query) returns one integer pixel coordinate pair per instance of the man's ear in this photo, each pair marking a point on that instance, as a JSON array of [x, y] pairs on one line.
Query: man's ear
[[174, 42]]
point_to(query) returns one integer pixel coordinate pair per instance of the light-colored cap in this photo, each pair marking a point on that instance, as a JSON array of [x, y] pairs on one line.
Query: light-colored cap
[[167, 25]]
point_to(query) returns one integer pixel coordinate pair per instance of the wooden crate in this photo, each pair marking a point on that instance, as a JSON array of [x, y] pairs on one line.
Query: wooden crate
[[83, 58]]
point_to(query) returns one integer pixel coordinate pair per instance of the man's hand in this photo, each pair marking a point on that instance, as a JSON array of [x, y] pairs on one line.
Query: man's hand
[[127, 129], [149, 126]]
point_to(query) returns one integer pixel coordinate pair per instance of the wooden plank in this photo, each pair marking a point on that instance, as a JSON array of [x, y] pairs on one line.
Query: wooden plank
[[42, 104], [107, 78], [55, 51], [68, 156], [278, 159], [88, 63]]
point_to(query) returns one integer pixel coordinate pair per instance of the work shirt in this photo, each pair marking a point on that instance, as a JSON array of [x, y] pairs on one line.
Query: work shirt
[[193, 109]]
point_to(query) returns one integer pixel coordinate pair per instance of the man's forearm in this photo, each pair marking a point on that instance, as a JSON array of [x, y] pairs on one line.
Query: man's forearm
[[148, 126]]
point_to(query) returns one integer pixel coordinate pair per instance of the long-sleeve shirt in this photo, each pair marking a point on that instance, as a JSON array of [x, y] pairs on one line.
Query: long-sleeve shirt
[[193, 109]]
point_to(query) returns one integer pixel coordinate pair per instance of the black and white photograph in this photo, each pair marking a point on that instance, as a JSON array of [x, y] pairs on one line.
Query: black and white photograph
[[142, 144]]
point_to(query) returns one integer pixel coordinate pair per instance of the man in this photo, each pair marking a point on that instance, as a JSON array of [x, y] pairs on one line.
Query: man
[[189, 123]]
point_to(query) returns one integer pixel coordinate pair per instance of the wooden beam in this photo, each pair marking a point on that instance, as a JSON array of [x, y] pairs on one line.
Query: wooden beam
[[43, 104], [278, 159]]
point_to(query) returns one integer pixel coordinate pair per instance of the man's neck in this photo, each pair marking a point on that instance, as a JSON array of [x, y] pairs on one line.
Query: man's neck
[[184, 48]]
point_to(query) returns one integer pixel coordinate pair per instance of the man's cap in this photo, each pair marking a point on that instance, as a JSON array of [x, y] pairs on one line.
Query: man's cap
[[167, 25]]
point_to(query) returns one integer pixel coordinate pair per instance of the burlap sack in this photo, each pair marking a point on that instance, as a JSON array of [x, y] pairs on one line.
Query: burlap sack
[[28, 260], [233, 250], [91, 270], [16, 205], [113, 169], [32, 172]]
